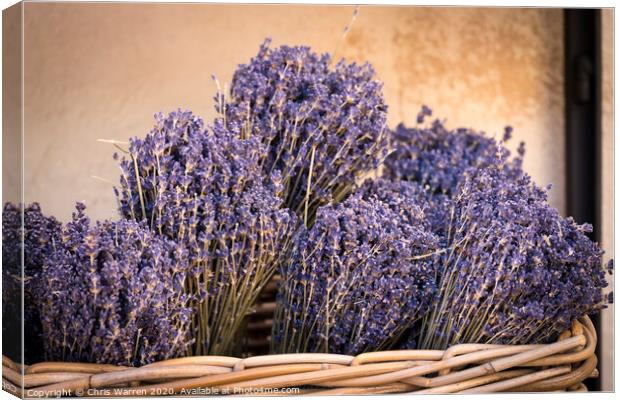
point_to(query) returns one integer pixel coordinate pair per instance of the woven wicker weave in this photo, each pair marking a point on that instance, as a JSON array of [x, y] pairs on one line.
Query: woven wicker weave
[[464, 368]]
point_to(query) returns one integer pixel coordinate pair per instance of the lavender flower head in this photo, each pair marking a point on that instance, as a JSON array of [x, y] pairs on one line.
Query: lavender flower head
[[515, 271], [40, 236], [203, 188], [113, 293], [358, 279], [323, 124], [438, 159]]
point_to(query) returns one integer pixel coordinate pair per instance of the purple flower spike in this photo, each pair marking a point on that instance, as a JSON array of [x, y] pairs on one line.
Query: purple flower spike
[[204, 189], [323, 124], [359, 278], [514, 270], [438, 159], [41, 234], [109, 294]]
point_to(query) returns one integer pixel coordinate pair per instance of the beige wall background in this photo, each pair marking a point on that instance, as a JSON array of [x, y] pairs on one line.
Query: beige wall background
[[11, 104], [101, 70]]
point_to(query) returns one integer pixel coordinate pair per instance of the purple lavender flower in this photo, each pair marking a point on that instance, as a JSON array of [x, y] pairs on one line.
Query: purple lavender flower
[[323, 124], [358, 279], [40, 236], [439, 159], [113, 293], [401, 195], [514, 270], [204, 189]]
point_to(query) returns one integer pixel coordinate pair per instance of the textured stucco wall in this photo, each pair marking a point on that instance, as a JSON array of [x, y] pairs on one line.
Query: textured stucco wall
[[11, 103], [101, 71]]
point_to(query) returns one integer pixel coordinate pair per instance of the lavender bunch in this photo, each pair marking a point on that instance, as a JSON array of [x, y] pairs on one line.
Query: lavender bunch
[[40, 236], [515, 271], [358, 279], [439, 159], [323, 124], [113, 293], [203, 188]]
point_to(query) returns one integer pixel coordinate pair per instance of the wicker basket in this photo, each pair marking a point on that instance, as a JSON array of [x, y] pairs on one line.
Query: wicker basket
[[464, 368]]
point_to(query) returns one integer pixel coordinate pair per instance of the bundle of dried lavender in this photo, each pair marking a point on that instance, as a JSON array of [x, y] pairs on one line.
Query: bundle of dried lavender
[[40, 235], [112, 292], [515, 271], [359, 278], [323, 124], [203, 189]]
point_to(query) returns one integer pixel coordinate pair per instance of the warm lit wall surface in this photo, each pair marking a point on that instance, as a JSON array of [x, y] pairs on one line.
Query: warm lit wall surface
[[101, 70]]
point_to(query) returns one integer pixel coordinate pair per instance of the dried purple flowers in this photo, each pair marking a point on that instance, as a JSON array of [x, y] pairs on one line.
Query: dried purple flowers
[[438, 159], [453, 243], [512, 270], [113, 293], [324, 124], [515, 271], [40, 235], [358, 279], [203, 188]]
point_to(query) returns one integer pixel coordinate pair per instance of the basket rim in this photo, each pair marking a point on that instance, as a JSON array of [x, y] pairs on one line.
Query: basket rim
[[460, 368]]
